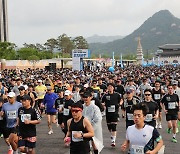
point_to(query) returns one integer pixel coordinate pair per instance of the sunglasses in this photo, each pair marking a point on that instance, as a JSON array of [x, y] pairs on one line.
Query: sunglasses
[[75, 111], [147, 94]]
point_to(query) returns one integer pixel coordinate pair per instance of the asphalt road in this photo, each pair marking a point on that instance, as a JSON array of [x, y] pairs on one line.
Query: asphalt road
[[53, 144]]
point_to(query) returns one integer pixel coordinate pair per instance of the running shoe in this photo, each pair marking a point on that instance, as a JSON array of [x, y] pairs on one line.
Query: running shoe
[[174, 140], [10, 151], [113, 144], [159, 126], [50, 132]]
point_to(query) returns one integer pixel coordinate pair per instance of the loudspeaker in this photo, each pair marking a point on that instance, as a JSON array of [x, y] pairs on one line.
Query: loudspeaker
[[52, 66], [47, 68]]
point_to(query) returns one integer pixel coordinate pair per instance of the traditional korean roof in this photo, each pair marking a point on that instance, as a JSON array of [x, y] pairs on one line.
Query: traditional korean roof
[[170, 46]]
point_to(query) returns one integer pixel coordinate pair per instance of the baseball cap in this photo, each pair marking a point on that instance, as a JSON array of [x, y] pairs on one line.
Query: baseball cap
[[26, 97], [175, 82], [67, 93], [39, 80], [49, 87], [11, 94]]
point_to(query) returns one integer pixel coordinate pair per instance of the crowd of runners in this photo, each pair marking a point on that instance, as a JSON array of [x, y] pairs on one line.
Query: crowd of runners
[[77, 101]]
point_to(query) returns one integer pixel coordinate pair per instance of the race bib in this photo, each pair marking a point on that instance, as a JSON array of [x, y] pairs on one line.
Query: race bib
[[129, 116], [136, 149], [1, 118], [172, 105], [11, 114], [66, 112], [76, 139], [25, 117], [60, 106], [111, 108], [149, 117], [95, 95], [157, 96]]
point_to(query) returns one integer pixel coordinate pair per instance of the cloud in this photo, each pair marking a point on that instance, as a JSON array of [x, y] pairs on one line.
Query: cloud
[[35, 21]]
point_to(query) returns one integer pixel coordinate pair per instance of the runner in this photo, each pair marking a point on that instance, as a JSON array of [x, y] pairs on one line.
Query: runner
[[80, 131], [93, 114], [10, 112], [153, 112], [49, 102], [157, 94], [112, 102], [28, 118], [140, 137], [170, 104], [128, 102]]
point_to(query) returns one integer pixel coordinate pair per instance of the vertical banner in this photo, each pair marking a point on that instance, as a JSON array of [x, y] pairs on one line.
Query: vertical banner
[[77, 58]]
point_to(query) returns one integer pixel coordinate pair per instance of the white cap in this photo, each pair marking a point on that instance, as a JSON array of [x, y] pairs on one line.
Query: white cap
[[86, 85], [67, 93], [39, 80], [26, 87], [11, 94]]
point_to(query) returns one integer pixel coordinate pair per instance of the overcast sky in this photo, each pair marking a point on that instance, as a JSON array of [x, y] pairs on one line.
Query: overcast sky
[[35, 21]]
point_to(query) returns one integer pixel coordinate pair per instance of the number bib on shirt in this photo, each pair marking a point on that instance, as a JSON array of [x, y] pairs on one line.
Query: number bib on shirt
[[25, 117], [66, 112], [11, 114], [129, 116], [149, 117], [136, 149], [157, 96], [111, 108], [172, 105], [60, 107], [76, 139]]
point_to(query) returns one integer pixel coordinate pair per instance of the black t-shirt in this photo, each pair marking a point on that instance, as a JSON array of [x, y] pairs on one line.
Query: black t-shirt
[[112, 103], [19, 98], [171, 103], [127, 106], [153, 107], [157, 95], [67, 112], [59, 103], [120, 89], [27, 130]]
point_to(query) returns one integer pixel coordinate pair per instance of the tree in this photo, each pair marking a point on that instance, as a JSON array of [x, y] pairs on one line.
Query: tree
[[7, 50], [51, 44], [80, 43], [25, 53], [65, 44]]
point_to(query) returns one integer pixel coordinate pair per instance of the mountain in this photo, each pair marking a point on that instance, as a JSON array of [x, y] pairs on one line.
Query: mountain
[[102, 39], [162, 28]]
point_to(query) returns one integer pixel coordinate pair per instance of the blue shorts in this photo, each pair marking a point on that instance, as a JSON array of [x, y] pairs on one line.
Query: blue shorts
[[26, 143]]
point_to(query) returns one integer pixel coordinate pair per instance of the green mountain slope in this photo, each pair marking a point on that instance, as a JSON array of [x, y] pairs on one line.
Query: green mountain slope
[[161, 28]]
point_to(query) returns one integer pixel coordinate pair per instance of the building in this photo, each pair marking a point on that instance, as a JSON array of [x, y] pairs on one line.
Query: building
[[3, 21], [139, 52], [170, 54]]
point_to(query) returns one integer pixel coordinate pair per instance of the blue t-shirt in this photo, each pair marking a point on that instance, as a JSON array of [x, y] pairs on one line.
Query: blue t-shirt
[[11, 113], [49, 101]]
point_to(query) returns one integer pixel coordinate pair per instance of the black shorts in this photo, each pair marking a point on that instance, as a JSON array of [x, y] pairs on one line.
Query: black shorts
[[8, 131], [170, 117], [60, 118], [110, 119], [51, 113], [159, 105], [26, 143]]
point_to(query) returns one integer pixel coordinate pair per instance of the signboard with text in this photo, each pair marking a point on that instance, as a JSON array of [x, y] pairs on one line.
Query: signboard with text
[[77, 58]]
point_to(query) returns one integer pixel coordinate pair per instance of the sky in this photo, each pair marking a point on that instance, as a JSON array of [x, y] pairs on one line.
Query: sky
[[36, 21]]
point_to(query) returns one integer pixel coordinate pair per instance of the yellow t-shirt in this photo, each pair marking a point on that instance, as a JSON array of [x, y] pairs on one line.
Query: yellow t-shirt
[[41, 91]]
